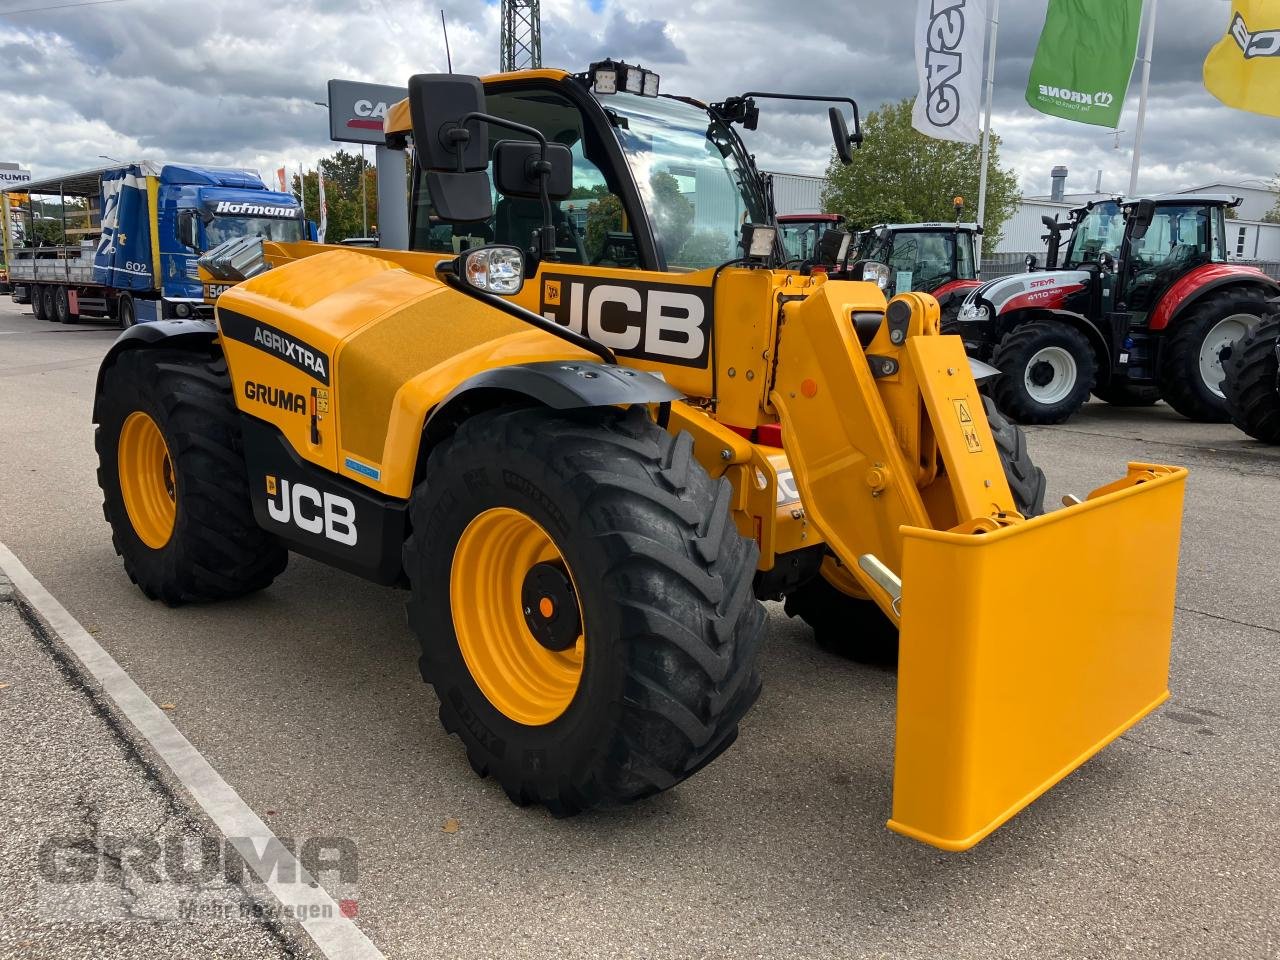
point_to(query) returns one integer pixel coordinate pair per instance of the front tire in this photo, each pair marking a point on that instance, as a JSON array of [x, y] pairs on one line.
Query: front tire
[[1046, 372], [175, 490], [1192, 367], [855, 627], [1252, 384], [613, 525]]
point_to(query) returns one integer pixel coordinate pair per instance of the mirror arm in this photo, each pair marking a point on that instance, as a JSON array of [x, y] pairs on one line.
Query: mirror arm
[[855, 138], [459, 134]]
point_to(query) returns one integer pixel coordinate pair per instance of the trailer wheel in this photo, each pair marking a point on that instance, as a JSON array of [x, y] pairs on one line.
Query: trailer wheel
[[49, 304], [1046, 371], [1201, 343], [1121, 394], [173, 480], [584, 604], [62, 306], [855, 627], [126, 311], [37, 303], [1252, 384]]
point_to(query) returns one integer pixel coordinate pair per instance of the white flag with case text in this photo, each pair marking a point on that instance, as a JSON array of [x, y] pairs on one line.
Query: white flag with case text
[[949, 38], [324, 207]]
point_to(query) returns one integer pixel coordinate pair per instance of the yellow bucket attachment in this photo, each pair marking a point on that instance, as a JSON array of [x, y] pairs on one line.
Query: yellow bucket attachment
[[1027, 649]]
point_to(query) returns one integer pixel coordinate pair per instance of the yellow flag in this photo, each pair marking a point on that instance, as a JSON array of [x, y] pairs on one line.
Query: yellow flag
[[1243, 69]]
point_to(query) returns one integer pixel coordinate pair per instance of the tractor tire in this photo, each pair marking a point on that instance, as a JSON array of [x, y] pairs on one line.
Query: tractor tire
[[175, 490], [1252, 385], [37, 303], [525, 514], [856, 628], [1121, 394], [1192, 366], [1046, 372]]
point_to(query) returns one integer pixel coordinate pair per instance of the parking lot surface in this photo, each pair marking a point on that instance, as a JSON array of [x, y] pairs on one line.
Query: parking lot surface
[[306, 698]]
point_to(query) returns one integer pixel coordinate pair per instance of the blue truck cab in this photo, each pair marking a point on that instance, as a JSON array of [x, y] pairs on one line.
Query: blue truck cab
[[130, 236]]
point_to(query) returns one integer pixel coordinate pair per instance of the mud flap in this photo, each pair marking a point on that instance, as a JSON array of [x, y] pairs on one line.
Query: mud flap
[[1024, 651]]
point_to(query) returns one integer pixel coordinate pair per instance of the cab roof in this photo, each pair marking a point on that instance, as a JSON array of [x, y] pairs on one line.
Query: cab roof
[[398, 121]]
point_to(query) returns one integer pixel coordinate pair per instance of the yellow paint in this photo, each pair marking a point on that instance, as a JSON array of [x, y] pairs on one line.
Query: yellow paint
[[148, 483], [153, 204], [523, 680], [1026, 650], [1247, 79]]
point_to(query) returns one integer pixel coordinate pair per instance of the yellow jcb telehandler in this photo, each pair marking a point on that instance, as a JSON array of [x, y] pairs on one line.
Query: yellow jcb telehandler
[[589, 424]]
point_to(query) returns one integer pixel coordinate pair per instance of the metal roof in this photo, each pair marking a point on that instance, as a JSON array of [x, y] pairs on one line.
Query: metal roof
[[85, 183]]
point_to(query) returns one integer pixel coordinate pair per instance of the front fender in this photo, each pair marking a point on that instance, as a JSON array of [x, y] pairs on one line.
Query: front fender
[[194, 334]]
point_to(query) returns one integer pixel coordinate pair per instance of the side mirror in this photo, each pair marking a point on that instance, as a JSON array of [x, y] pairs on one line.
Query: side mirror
[[452, 144], [188, 236], [493, 269], [1031, 262], [518, 170], [1107, 263], [1051, 223], [840, 133], [833, 247], [1144, 211]]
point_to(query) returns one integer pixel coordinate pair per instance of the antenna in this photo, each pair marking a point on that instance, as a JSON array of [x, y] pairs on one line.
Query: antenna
[[445, 27]]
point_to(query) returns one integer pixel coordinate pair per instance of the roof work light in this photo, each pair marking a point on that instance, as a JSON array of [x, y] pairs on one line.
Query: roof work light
[[610, 76]]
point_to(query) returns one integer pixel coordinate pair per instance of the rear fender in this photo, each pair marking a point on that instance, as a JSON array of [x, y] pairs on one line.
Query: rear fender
[[1189, 291], [194, 334]]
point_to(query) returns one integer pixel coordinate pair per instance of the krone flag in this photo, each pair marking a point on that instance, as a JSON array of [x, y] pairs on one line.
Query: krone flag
[[1084, 59], [949, 38], [1243, 70]]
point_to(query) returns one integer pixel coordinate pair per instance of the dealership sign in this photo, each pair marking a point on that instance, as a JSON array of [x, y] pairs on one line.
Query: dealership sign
[[11, 175], [356, 110]]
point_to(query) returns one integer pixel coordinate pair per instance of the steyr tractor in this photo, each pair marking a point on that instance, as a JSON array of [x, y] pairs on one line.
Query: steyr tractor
[[1144, 307], [588, 450], [939, 259], [1252, 381]]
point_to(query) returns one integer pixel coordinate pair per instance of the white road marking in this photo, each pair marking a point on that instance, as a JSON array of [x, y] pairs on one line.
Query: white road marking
[[337, 937]]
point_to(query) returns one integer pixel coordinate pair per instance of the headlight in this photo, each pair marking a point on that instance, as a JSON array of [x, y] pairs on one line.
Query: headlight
[[877, 273], [972, 313], [494, 269]]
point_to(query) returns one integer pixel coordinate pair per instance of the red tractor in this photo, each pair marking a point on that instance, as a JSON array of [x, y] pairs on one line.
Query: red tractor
[[802, 239], [936, 258], [1143, 307]]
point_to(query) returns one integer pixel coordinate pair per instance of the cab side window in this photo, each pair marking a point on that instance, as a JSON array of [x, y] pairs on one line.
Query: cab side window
[[591, 225]]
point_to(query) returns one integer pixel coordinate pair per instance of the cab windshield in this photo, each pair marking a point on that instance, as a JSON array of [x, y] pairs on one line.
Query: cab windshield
[[800, 237], [1100, 231], [695, 180], [220, 229]]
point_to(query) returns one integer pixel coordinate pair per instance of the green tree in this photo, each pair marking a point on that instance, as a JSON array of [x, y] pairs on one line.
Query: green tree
[[603, 216], [902, 176], [1273, 215], [342, 174], [671, 213]]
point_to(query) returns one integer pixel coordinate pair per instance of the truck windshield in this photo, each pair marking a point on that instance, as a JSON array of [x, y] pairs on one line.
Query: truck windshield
[[800, 237], [221, 229], [693, 175], [1101, 231]]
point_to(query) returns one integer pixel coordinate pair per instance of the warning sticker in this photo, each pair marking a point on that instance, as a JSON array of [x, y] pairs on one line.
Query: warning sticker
[[967, 426]]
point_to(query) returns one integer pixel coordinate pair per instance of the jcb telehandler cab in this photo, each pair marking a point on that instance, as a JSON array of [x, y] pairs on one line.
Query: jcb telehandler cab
[[1143, 307], [589, 425]]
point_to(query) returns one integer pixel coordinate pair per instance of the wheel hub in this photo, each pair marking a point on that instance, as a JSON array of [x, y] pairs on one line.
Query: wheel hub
[[1050, 375], [550, 606], [148, 485], [1041, 374]]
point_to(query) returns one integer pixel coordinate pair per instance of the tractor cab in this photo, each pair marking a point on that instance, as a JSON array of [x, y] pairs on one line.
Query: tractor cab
[[802, 233], [935, 258]]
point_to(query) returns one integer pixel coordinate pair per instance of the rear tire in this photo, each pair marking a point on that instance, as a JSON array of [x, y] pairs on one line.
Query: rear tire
[[37, 303], [1252, 385], [126, 311], [1121, 394], [669, 628], [48, 304], [1046, 372], [1195, 352], [215, 550], [856, 628], [62, 306]]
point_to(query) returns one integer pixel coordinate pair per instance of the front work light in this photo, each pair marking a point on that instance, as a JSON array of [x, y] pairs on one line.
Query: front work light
[[757, 240], [635, 80], [610, 76], [496, 269], [650, 84], [604, 77]]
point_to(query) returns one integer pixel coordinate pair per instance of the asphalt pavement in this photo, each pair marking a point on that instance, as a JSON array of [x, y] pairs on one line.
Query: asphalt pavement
[[307, 700]]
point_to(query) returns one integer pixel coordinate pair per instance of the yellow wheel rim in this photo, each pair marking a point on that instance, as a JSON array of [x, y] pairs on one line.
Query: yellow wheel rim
[[522, 678], [147, 480]]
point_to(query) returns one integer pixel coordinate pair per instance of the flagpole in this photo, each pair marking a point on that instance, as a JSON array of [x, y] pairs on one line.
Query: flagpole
[[986, 128], [1142, 99]]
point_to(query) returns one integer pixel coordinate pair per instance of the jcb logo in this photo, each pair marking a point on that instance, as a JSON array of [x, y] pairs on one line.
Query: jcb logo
[[327, 514], [1264, 43], [664, 322]]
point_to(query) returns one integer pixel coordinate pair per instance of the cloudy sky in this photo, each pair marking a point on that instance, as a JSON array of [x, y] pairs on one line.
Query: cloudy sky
[[233, 81]]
